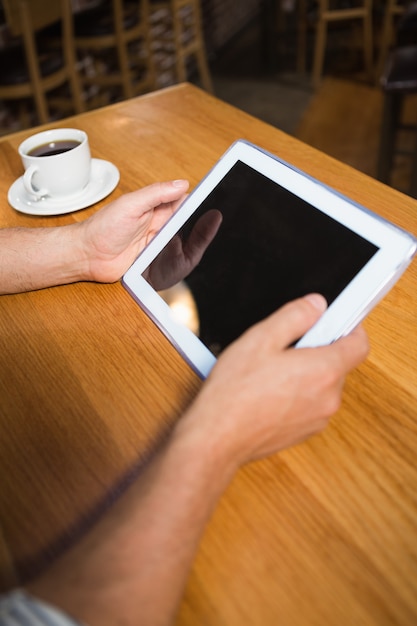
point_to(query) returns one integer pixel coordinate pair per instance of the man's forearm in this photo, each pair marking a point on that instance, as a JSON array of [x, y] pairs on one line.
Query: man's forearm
[[133, 566], [260, 397], [34, 258]]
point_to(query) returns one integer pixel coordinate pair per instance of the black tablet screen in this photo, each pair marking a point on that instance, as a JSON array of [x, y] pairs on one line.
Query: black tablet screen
[[271, 247]]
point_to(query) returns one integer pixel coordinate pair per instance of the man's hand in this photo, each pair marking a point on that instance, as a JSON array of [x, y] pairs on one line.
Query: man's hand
[[112, 238], [100, 249], [260, 397], [263, 396]]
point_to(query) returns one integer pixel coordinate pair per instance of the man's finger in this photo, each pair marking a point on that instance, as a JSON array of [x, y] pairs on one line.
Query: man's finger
[[295, 318], [157, 193]]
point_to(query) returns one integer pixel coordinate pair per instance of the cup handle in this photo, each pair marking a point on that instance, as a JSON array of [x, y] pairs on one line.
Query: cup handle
[[27, 183]]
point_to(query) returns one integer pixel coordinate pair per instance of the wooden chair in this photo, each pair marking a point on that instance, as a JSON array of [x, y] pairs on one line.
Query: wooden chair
[[177, 26], [28, 72], [328, 14], [398, 28], [399, 83], [117, 36], [391, 11]]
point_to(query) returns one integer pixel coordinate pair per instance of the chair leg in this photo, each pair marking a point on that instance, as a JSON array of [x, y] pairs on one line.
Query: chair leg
[[151, 74], [25, 120], [320, 45], [204, 70], [180, 60], [390, 119], [122, 56], [368, 45], [39, 96], [201, 54], [386, 38], [302, 37], [413, 181], [197, 48], [392, 9], [68, 37]]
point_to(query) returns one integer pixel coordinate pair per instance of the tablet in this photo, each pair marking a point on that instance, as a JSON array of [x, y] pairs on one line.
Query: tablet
[[256, 233]]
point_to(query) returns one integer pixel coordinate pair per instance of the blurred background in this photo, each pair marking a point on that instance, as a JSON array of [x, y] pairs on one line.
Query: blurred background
[[340, 75]]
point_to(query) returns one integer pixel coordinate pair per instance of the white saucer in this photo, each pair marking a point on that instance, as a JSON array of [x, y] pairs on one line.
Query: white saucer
[[104, 178]]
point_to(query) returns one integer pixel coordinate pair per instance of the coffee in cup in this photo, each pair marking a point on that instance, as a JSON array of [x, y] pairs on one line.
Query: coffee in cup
[[57, 163], [54, 147]]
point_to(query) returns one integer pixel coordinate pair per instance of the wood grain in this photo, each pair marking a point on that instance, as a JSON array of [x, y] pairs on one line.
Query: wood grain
[[324, 533]]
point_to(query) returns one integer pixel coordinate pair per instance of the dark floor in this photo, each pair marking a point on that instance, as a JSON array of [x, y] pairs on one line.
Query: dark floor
[[243, 77], [269, 87]]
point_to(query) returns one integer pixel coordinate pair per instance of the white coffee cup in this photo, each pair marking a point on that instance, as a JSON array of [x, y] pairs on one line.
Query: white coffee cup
[[57, 163]]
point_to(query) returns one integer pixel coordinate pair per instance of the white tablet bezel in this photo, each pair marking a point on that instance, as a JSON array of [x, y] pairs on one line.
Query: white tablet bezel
[[396, 250]]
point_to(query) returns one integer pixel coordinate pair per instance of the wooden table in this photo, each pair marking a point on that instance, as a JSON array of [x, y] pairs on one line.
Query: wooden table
[[322, 534]]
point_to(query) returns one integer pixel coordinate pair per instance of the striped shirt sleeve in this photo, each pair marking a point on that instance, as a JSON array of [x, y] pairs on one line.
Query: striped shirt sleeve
[[18, 608]]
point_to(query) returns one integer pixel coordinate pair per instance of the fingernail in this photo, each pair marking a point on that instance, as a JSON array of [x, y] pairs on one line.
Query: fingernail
[[180, 182], [317, 300]]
